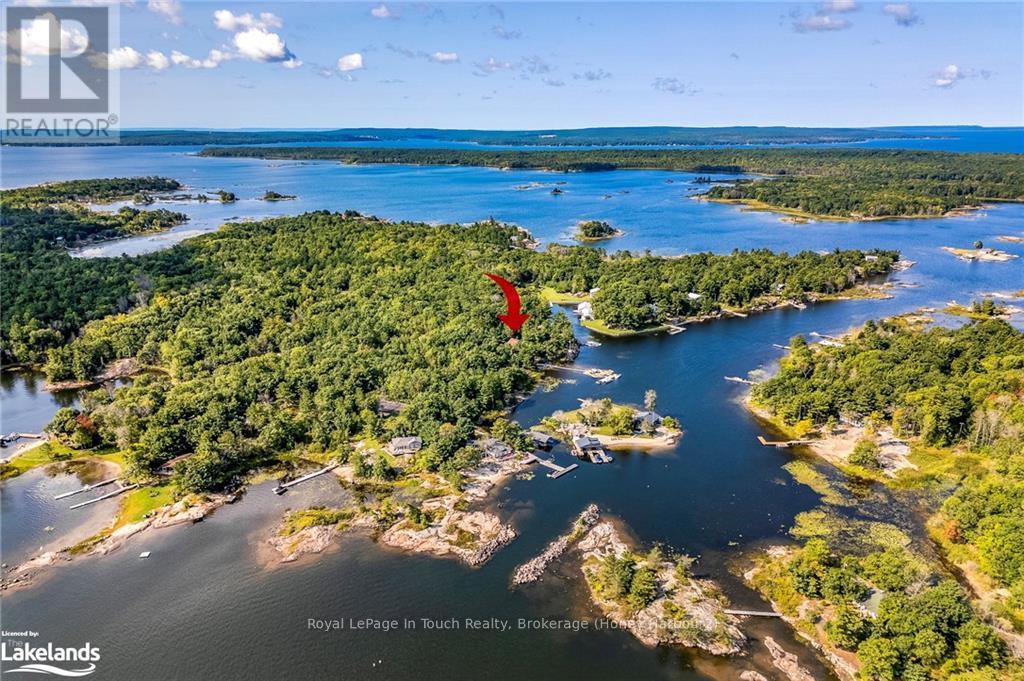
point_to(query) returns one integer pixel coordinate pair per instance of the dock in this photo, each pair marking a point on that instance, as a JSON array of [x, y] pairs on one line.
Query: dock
[[556, 470], [108, 495], [282, 487], [737, 379], [782, 443], [753, 613], [87, 488]]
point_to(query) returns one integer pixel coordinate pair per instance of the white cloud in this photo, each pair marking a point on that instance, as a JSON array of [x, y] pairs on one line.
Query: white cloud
[[212, 61], [820, 22], [225, 20], [491, 65], [444, 57], [157, 61], [169, 9], [121, 58], [839, 6], [350, 62], [258, 44], [902, 12], [33, 38], [594, 75], [292, 63], [383, 12], [506, 34], [952, 74], [674, 86]]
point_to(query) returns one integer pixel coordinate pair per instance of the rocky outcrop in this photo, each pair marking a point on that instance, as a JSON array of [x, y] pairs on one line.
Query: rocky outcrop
[[473, 537], [309, 540], [534, 569], [786, 662], [688, 612], [178, 513]]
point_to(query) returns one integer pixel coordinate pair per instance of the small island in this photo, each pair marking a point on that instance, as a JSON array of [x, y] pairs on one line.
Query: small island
[[596, 230], [980, 253], [271, 195], [603, 423]]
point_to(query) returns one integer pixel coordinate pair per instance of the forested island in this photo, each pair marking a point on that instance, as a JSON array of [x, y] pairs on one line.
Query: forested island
[[948, 403], [647, 135], [808, 183], [596, 230], [269, 336]]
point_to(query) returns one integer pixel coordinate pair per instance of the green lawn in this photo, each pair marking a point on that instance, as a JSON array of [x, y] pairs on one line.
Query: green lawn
[[52, 452], [138, 502], [550, 295], [598, 326]]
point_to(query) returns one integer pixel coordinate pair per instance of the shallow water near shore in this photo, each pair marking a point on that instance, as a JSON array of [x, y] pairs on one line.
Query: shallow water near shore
[[205, 605]]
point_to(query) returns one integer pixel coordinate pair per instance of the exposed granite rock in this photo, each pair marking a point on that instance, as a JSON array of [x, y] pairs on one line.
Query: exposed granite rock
[[687, 611], [470, 536], [532, 570], [786, 662]]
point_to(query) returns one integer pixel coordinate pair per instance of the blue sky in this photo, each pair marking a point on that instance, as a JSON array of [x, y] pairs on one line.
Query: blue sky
[[537, 65]]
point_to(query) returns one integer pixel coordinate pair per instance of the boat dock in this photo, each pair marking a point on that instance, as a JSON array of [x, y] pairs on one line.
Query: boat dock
[[87, 488], [781, 444], [108, 495], [556, 470], [753, 613], [282, 487]]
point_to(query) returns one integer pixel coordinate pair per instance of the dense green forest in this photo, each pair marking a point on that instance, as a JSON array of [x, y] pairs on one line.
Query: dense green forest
[[656, 135], [938, 387], [47, 294], [839, 183], [267, 335]]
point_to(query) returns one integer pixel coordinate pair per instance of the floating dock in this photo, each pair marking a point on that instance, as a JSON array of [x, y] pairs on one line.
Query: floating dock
[[108, 495], [556, 470], [281, 488], [87, 488], [781, 444]]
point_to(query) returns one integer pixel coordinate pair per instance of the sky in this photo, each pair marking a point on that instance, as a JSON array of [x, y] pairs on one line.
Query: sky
[[525, 65]]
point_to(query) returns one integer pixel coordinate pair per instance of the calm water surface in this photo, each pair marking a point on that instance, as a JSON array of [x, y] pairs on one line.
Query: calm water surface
[[206, 605]]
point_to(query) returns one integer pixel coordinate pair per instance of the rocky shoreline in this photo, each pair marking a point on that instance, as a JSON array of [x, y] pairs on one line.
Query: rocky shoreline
[[534, 569], [112, 539], [686, 611]]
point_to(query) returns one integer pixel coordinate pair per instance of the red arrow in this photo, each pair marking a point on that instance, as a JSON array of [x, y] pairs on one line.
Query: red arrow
[[513, 319]]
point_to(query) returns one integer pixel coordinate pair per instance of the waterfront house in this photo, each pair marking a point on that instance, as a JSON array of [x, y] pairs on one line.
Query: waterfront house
[[647, 420], [585, 310], [542, 440], [400, 446], [167, 467], [495, 448]]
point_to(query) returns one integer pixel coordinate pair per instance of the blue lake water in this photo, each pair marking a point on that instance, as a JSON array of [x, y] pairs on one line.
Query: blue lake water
[[208, 607]]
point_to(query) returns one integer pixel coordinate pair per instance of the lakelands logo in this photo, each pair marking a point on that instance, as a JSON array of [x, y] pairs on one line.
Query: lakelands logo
[[49, 659], [60, 83]]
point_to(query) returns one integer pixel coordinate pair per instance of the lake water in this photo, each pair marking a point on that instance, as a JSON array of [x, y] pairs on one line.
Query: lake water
[[207, 606]]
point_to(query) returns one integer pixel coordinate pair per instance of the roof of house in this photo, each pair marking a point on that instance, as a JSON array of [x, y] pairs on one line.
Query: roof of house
[[647, 416], [411, 442], [586, 441], [539, 436]]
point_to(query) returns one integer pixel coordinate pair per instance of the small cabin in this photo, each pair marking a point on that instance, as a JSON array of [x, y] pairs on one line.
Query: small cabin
[[542, 440], [495, 448], [587, 444], [167, 467], [585, 310], [400, 446], [386, 407]]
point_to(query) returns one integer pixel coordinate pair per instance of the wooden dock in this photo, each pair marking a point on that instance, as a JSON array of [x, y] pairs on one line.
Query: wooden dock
[[556, 470], [753, 613], [87, 488], [108, 495], [782, 444], [281, 488]]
